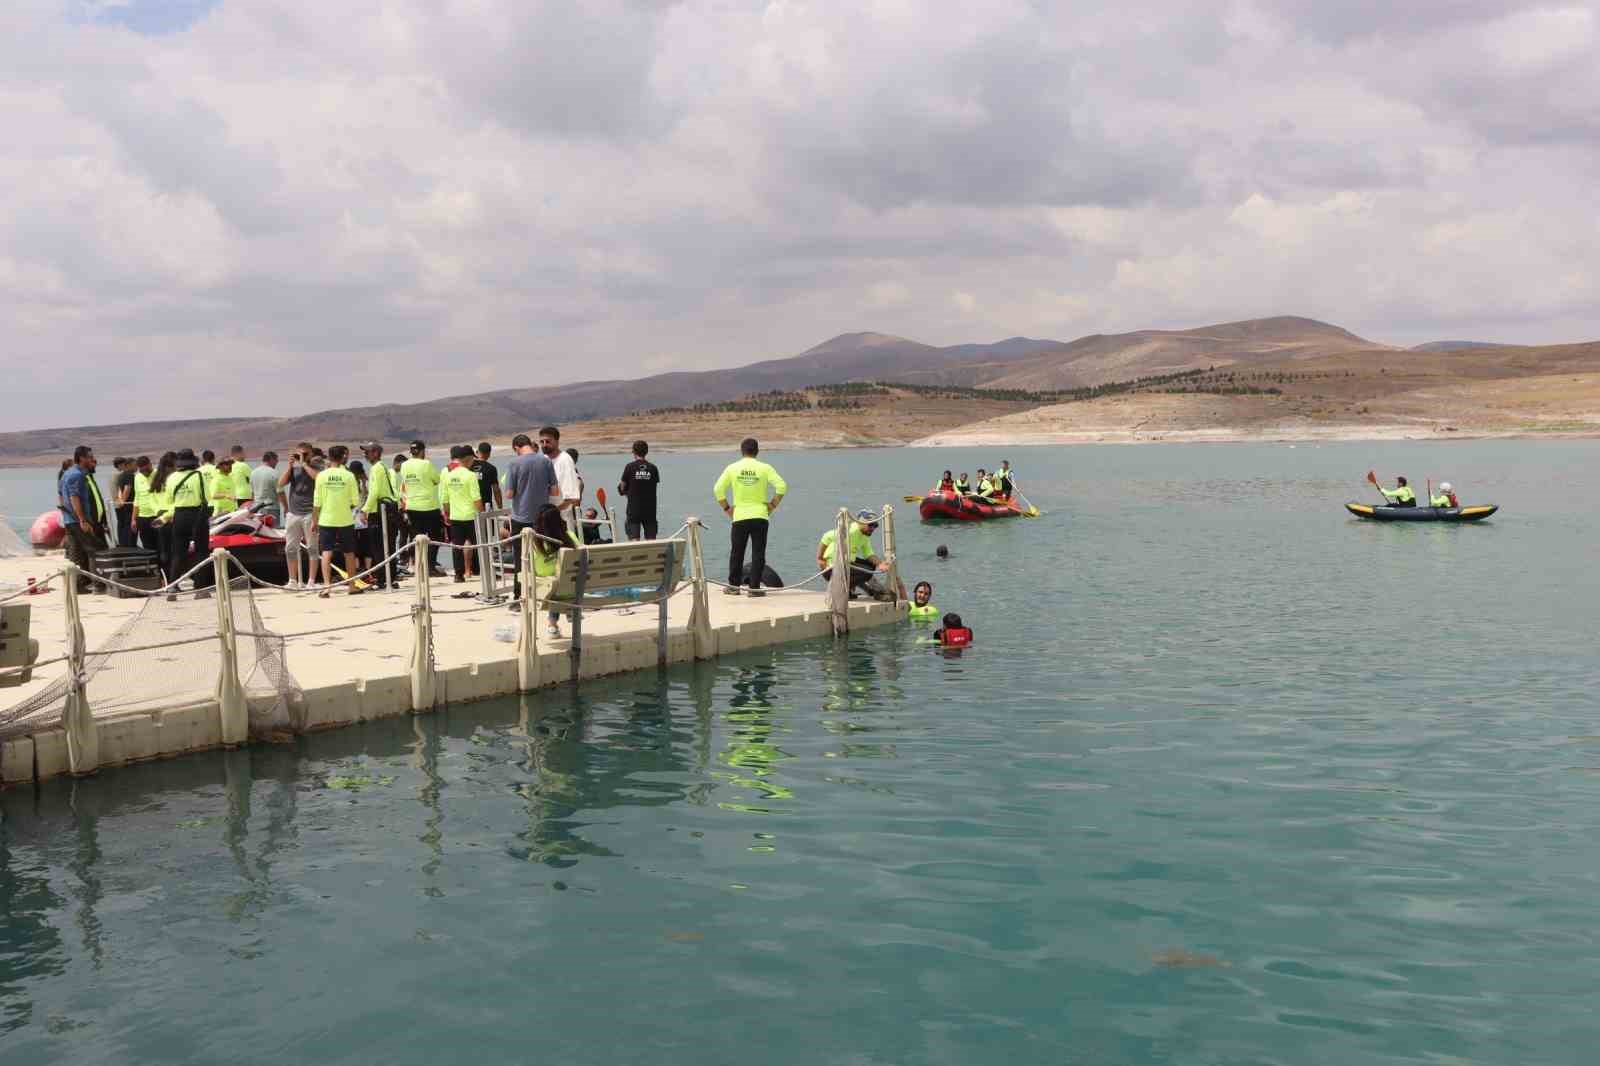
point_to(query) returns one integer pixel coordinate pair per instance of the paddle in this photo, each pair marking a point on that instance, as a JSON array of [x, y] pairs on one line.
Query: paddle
[[1374, 479], [600, 494]]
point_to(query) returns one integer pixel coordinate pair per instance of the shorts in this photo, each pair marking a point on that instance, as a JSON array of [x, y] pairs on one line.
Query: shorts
[[634, 526], [463, 531], [337, 539], [296, 532]]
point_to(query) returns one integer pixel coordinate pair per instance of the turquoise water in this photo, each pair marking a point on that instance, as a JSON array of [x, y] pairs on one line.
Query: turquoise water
[[1229, 778]]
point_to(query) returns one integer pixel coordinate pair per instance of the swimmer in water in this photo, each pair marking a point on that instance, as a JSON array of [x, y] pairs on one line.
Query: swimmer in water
[[920, 608], [942, 552], [953, 634]]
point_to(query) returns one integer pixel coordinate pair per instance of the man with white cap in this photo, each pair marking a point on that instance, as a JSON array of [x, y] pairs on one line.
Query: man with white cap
[[1445, 497]]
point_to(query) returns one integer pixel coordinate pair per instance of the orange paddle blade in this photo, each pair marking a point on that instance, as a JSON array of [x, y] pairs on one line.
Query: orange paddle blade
[[600, 494], [1372, 477]]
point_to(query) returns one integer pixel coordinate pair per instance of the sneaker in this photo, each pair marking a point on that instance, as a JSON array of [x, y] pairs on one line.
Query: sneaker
[[755, 592], [460, 580], [553, 632], [294, 586], [730, 590]]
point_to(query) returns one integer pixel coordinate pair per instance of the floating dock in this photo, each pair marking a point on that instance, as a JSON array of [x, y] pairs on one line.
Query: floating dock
[[345, 659]]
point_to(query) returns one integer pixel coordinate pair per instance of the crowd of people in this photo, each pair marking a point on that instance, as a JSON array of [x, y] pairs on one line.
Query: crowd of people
[[333, 509], [998, 485]]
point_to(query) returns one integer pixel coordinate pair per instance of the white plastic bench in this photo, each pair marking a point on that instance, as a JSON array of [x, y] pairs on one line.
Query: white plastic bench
[[596, 575]]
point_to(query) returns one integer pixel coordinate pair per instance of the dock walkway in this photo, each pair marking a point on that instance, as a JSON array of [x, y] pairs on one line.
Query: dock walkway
[[347, 659]]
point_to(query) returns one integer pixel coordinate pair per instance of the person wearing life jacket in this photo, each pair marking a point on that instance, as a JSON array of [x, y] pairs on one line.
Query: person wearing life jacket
[[190, 516], [1445, 497], [952, 634], [1001, 479], [1401, 495], [921, 609], [963, 484], [946, 484], [986, 485]]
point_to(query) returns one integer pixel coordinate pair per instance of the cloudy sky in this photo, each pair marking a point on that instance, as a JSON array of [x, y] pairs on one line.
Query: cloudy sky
[[276, 206]]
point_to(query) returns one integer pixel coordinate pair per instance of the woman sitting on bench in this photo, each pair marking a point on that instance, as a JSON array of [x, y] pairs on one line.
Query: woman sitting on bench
[[550, 536]]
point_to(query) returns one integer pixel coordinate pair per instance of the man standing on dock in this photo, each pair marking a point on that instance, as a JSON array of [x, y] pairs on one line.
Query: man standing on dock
[[83, 512], [532, 485], [749, 480], [419, 496], [638, 484]]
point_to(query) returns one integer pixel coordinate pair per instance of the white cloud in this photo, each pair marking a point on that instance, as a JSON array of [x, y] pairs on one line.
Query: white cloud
[[549, 192]]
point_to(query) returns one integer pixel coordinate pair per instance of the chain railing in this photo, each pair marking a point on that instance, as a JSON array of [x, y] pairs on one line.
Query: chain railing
[[78, 719]]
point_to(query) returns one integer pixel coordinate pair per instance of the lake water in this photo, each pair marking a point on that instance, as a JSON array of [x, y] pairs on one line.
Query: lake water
[[1228, 778]]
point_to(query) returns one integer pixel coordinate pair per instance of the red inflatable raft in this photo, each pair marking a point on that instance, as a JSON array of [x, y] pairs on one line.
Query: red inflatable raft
[[954, 506]]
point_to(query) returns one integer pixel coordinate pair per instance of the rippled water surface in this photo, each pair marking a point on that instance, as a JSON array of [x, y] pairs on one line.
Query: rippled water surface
[[1228, 778]]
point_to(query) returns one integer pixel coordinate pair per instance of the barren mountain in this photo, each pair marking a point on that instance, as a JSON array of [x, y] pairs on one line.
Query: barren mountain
[[1331, 378], [1098, 359], [1360, 394]]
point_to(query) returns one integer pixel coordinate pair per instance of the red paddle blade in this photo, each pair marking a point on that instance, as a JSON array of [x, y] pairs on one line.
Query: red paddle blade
[[600, 494], [1372, 477]]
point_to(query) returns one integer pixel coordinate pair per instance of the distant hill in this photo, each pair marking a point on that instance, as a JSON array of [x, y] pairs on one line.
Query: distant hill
[[1101, 358], [1014, 363], [1456, 346]]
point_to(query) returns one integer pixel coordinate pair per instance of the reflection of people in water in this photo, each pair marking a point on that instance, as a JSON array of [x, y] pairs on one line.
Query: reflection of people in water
[[750, 752]]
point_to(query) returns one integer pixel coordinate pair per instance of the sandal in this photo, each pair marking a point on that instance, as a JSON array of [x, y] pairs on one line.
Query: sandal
[[324, 594]]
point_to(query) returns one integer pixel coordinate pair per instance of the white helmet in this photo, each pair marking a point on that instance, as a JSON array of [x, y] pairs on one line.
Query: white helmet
[[1444, 486]]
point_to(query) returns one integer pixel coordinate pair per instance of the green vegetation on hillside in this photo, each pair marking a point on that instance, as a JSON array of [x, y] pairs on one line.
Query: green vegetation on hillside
[[848, 395]]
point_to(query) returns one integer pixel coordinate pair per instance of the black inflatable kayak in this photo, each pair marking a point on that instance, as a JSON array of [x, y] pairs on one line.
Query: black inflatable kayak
[[1422, 514]]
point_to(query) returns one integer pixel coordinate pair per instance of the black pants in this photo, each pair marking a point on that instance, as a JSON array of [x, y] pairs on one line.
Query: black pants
[[634, 526], [125, 526], [751, 531], [164, 542], [149, 536], [861, 572], [462, 533], [191, 538], [516, 582], [428, 524], [81, 547]]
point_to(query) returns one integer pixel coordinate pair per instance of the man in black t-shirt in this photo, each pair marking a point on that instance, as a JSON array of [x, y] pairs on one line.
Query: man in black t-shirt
[[488, 480], [122, 493], [639, 481]]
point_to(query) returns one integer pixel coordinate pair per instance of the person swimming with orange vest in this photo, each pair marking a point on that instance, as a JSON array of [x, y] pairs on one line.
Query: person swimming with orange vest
[[953, 634]]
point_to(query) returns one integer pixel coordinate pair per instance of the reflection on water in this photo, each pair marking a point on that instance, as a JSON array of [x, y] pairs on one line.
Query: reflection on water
[[752, 753]]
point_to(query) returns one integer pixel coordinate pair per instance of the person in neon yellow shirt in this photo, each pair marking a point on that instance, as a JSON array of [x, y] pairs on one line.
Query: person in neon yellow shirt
[[333, 510], [223, 501], [419, 499], [241, 477], [463, 497], [864, 563], [748, 481], [145, 506]]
